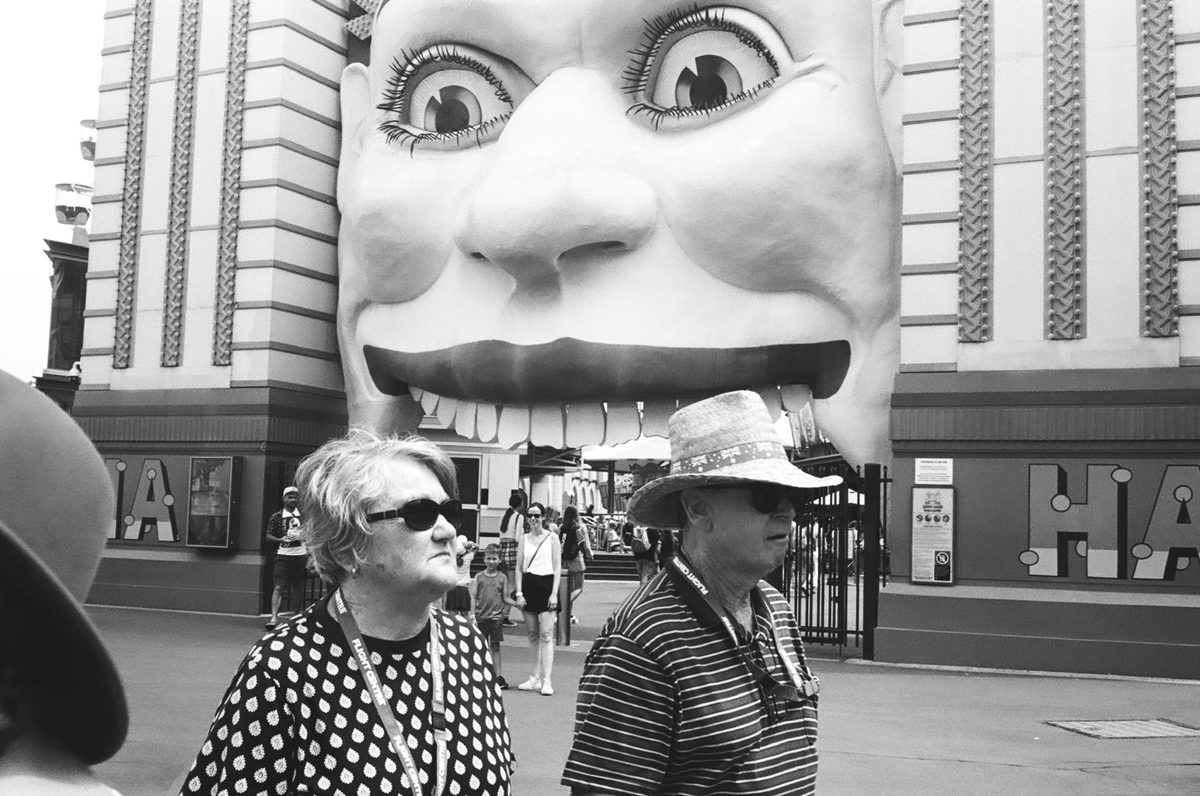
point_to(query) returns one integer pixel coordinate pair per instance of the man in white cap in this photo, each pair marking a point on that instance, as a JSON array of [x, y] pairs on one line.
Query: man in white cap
[[62, 706], [292, 555], [698, 682]]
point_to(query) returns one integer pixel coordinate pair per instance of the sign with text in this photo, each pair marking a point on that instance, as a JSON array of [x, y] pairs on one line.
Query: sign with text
[[934, 472], [933, 535]]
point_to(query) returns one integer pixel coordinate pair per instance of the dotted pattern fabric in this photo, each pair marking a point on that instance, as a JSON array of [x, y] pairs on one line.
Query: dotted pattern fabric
[[297, 717]]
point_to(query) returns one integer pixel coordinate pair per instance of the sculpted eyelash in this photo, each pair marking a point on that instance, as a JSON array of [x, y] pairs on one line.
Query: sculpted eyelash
[[395, 98], [397, 133], [658, 115], [655, 30]]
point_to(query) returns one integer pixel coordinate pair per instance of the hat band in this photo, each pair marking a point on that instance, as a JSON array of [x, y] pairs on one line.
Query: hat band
[[735, 454]]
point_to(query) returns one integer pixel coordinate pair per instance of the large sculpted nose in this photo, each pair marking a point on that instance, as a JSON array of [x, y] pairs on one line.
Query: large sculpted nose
[[561, 187]]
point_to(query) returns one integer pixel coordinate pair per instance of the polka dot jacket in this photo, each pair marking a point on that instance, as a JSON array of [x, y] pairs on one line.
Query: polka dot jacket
[[297, 717]]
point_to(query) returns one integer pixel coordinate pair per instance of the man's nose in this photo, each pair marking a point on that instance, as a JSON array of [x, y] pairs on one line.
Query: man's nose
[[561, 186]]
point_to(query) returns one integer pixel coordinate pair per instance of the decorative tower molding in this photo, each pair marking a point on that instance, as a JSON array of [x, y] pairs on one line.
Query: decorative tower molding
[[181, 183], [975, 173], [131, 189], [1160, 208], [231, 178], [1064, 171]]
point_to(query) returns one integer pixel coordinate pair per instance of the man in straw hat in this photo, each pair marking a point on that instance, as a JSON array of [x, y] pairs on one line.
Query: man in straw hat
[[698, 682], [62, 707]]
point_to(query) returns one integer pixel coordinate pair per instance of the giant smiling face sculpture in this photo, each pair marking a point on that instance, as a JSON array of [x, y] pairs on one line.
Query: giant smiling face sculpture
[[559, 219]]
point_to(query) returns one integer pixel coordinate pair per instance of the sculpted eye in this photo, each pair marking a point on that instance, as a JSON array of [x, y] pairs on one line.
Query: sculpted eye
[[701, 64], [449, 96]]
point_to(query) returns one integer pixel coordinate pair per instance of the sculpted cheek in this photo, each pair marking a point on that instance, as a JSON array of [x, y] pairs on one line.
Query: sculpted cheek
[[399, 240], [800, 204]]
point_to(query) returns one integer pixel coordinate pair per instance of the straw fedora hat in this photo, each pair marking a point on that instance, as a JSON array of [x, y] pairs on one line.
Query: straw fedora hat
[[724, 440], [56, 500]]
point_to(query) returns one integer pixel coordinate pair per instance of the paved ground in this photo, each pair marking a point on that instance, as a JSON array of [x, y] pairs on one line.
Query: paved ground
[[883, 729]]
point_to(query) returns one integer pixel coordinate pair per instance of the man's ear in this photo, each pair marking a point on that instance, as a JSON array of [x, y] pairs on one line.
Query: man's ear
[[696, 507], [356, 116], [889, 66]]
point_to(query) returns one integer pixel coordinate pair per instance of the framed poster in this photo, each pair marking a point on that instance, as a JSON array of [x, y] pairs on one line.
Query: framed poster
[[213, 496], [933, 535]]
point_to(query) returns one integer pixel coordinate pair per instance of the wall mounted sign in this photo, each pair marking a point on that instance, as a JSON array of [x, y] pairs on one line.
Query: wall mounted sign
[[212, 501], [934, 472], [933, 535]]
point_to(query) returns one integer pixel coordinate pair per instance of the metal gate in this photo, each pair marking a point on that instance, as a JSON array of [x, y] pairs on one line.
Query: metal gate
[[831, 575]]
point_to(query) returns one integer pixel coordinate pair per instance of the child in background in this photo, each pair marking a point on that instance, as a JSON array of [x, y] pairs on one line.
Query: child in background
[[490, 596], [458, 599]]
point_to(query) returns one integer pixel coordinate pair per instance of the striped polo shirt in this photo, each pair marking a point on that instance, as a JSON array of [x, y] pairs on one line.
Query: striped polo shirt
[[667, 704]]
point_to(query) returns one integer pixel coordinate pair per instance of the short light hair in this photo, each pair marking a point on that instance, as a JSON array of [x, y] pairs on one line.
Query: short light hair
[[341, 479]]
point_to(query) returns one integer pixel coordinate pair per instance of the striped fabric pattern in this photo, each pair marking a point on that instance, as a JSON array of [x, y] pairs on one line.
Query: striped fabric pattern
[[666, 706]]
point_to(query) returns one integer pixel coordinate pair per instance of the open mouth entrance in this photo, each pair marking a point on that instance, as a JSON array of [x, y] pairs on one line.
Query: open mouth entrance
[[569, 371]]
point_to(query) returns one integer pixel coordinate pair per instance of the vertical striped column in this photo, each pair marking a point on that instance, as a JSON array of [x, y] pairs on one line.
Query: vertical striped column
[[131, 189], [181, 183], [231, 178], [1064, 171], [1160, 255], [975, 175]]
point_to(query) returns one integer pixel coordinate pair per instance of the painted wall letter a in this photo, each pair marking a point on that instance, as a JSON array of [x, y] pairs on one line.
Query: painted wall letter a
[[1172, 537]]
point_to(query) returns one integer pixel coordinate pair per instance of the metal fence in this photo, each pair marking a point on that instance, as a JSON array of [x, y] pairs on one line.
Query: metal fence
[[832, 575]]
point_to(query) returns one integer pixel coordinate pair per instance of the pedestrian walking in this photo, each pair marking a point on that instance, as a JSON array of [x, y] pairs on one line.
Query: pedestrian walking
[[459, 600], [289, 569], [643, 542], [576, 552], [62, 705], [490, 596], [373, 690], [512, 527], [698, 682], [539, 560]]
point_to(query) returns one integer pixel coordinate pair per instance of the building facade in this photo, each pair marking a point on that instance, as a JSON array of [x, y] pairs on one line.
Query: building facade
[[1045, 419], [1050, 339], [210, 355]]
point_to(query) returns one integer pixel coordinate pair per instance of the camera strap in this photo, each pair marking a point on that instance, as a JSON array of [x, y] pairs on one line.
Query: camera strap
[[709, 611]]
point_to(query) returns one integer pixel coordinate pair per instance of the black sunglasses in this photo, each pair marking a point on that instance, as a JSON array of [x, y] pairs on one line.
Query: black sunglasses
[[535, 516], [765, 497], [422, 513]]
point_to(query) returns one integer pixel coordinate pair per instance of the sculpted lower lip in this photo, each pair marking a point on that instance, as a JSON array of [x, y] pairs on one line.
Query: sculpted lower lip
[[574, 370]]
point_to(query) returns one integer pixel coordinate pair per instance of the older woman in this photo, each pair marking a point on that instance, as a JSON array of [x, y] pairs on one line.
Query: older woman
[[373, 690], [539, 556]]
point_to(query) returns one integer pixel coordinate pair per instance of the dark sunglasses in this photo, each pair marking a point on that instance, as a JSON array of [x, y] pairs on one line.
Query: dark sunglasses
[[765, 497], [535, 516], [422, 513]]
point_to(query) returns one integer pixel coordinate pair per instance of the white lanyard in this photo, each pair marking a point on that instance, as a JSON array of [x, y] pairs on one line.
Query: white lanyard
[[437, 712]]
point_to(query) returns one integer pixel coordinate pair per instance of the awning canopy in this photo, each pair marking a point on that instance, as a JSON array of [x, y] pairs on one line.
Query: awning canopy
[[642, 449]]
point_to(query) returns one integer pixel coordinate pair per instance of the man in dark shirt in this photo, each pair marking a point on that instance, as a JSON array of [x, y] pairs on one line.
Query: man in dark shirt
[[698, 683], [291, 558]]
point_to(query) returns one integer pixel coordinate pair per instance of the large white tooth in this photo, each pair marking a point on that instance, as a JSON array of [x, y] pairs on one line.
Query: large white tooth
[[485, 421], [514, 426], [795, 396], [770, 396], [655, 415], [546, 425], [445, 411], [415, 391], [585, 425], [429, 402], [624, 423], [464, 419]]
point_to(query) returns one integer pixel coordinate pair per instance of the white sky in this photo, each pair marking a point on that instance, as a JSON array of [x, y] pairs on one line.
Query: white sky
[[51, 73]]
